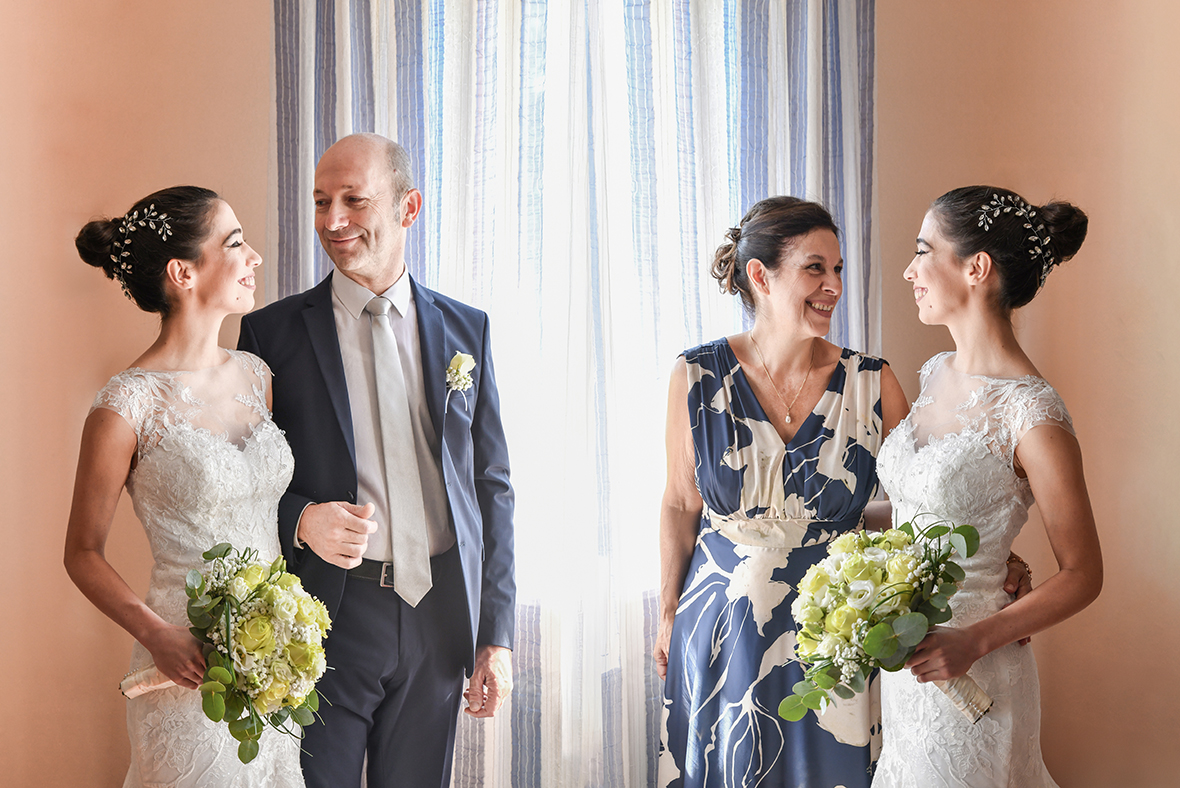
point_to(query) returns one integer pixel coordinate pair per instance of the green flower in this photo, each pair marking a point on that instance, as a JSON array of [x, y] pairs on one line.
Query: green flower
[[896, 539], [841, 620], [844, 543], [814, 581], [858, 567], [256, 635]]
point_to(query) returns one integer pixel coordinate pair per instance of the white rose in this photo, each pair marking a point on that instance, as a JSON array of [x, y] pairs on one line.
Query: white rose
[[830, 645], [876, 555], [285, 608], [861, 593], [239, 588]]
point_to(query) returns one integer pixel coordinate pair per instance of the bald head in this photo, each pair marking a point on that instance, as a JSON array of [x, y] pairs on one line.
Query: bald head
[[366, 148]]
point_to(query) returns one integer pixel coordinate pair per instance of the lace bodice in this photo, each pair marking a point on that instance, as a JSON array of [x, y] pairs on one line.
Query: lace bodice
[[210, 466], [952, 458]]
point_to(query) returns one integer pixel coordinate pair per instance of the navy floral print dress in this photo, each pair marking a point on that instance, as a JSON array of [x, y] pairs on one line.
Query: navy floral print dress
[[770, 510]]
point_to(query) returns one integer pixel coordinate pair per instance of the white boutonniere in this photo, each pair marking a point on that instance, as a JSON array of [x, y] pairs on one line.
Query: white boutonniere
[[459, 375]]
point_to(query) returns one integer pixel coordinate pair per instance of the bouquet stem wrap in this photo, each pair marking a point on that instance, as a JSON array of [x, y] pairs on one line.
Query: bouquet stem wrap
[[144, 680], [966, 696]]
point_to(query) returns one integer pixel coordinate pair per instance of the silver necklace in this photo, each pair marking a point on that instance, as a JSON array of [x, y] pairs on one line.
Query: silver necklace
[[783, 399]]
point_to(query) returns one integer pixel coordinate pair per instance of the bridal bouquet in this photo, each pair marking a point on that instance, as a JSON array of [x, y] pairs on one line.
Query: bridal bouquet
[[869, 604], [264, 637]]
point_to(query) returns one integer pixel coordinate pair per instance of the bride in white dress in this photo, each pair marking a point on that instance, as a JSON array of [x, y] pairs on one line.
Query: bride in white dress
[[187, 430], [986, 436]]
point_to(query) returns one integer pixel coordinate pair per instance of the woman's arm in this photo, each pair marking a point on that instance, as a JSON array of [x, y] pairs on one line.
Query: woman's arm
[[1053, 460], [680, 512], [878, 515], [108, 447]]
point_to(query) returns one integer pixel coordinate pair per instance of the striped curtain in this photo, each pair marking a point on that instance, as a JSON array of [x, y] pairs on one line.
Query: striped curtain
[[580, 160]]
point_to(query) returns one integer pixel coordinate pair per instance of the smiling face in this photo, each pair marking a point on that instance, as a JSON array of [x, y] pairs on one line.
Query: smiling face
[[938, 275], [225, 269], [806, 285], [360, 218]]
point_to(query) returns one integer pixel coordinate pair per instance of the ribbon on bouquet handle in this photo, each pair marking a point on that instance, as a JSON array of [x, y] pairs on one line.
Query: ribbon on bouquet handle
[[966, 696], [144, 680]]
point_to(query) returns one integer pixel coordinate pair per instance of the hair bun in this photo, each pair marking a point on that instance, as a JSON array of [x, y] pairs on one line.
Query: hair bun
[[95, 243], [1067, 225]]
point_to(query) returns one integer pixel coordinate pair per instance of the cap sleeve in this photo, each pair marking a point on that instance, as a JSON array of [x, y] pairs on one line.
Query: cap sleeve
[[1034, 405], [122, 395], [932, 363]]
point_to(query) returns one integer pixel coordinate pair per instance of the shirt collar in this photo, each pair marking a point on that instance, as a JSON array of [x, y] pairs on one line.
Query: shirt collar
[[354, 297]]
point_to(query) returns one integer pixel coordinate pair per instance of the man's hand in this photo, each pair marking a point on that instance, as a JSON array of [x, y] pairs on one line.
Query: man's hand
[[491, 681], [337, 532]]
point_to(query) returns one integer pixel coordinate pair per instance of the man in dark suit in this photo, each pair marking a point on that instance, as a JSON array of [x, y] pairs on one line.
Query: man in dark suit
[[399, 519]]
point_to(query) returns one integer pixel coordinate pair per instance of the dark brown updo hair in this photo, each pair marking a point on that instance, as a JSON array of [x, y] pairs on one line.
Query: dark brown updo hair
[[134, 249], [766, 233], [1024, 241]]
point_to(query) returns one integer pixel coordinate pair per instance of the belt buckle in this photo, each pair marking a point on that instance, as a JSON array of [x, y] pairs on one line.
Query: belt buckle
[[385, 567]]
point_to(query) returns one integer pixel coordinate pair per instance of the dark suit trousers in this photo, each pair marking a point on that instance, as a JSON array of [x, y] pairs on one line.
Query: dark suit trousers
[[394, 681]]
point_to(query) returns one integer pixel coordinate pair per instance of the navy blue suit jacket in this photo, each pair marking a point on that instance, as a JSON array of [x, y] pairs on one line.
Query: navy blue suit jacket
[[297, 338]]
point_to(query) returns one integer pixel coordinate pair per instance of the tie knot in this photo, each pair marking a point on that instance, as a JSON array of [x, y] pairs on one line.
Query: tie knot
[[378, 305]]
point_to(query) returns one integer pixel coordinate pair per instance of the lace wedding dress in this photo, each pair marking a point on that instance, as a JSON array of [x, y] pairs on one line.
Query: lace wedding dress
[[210, 467], [952, 458]]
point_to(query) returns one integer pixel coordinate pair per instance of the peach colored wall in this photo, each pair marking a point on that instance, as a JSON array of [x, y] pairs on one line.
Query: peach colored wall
[[104, 101], [1078, 99], [107, 100]]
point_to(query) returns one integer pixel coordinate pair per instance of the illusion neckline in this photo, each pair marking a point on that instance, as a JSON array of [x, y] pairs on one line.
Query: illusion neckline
[[947, 355], [229, 356]]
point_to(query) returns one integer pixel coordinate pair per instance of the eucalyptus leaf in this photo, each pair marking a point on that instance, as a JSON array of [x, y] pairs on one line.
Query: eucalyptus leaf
[[959, 544], [824, 681], [212, 686], [908, 528], [302, 716], [199, 634], [235, 704], [200, 619], [856, 683], [313, 701], [792, 709], [880, 642], [220, 550], [935, 531], [240, 729], [248, 750], [218, 673], [956, 573], [939, 616], [939, 601], [815, 700], [971, 535], [844, 692], [213, 704], [896, 659], [947, 589], [910, 629], [194, 581], [214, 659]]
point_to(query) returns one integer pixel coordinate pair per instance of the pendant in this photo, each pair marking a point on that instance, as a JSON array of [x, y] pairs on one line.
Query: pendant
[[788, 418]]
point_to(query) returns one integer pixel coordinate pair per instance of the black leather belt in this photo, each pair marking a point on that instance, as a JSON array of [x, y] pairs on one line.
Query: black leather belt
[[381, 571]]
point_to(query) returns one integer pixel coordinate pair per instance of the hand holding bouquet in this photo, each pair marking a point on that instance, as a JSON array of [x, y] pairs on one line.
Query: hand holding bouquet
[[869, 604], [264, 637]]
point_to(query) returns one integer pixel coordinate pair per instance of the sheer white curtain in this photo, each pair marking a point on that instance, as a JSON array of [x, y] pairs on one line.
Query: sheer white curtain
[[580, 160]]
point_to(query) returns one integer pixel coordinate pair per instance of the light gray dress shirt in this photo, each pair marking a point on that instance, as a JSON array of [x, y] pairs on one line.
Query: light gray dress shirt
[[356, 350]]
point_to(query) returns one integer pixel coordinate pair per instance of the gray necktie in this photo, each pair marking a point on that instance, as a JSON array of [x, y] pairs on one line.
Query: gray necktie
[[407, 513]]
